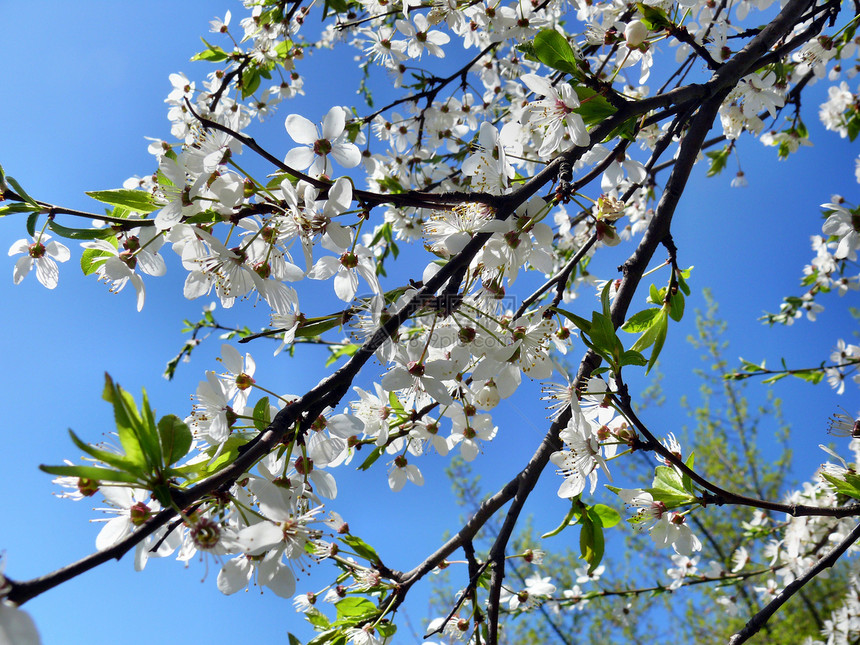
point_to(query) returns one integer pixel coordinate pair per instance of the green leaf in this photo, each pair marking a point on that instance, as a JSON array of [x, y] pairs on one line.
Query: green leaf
[[603, 333], [205, 217], [318, 619], [567, 521], [80, 233], [316, 326], [175, 438], [646, 339], [632, 357], [667, 478], [662, 328], [283, 48], [591, 542], [609, 517], [91, 259], [553, 50], [31, 224], [90, 472], [134, 200], [344, 350], [361, 548], [593, 107], [120, 462], [811, 376], [580, 322], [641, 321], [850, 485], [668, 487], [718, 158], [250, 81], [528, 50], [326, 637], [148, 433], [395, 404], [627, 130], [386, 629], [852, 123], [676, 306], [375, 454], [334, 6], [128, 423], [21, 207], [686, 480], [355, 606], [293, 640], [653, 18], [229, 450], [212, 53], [21, 192], [682, 281], [606, 301], [262, 414]]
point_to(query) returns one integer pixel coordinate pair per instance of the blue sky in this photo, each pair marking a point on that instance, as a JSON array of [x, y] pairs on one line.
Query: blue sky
[[79, 100]]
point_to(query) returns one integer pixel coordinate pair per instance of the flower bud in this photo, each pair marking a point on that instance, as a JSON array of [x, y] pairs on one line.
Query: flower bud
[[488, 396], [635, 33]]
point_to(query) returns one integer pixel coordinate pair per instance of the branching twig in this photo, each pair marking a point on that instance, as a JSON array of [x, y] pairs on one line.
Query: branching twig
[[756, 622]]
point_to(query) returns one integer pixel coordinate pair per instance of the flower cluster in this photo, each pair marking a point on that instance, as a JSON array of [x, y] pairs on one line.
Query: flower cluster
[[536, 153]]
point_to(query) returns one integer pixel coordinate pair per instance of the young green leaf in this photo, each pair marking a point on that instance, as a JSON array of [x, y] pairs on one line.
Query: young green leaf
[[593, 108], [175, 438], [553, 50], [591, 542], [262, 414], [31, 224], [662, 328], [567, 521], [134, 200], [361, 548], [355, 606], [91, 259], [90, 472], [338, 352], [609, 517], [676, 306], [641, 320], [21, 192], [718, 158], [120, 462], [212, 53], [653, 17], [606, 300], [580, 322], [127, 421]]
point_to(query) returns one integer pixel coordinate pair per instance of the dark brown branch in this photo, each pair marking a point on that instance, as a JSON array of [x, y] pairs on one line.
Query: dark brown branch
[[719, 495], [412, 199], [439, 83], [758, 621]]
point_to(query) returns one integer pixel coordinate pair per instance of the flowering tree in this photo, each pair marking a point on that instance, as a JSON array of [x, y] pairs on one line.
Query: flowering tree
[[518, 142]]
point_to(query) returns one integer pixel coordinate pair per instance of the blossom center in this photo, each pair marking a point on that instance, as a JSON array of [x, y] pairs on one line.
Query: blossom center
[[322, 147]]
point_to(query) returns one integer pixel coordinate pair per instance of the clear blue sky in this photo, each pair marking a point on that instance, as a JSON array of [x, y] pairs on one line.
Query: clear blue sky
[[83, 84]]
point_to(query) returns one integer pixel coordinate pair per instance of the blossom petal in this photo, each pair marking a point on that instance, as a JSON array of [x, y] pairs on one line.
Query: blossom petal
[[22, 268], [234, 575], [300, 158], [346, 154], [301, 129], [333, 123]]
